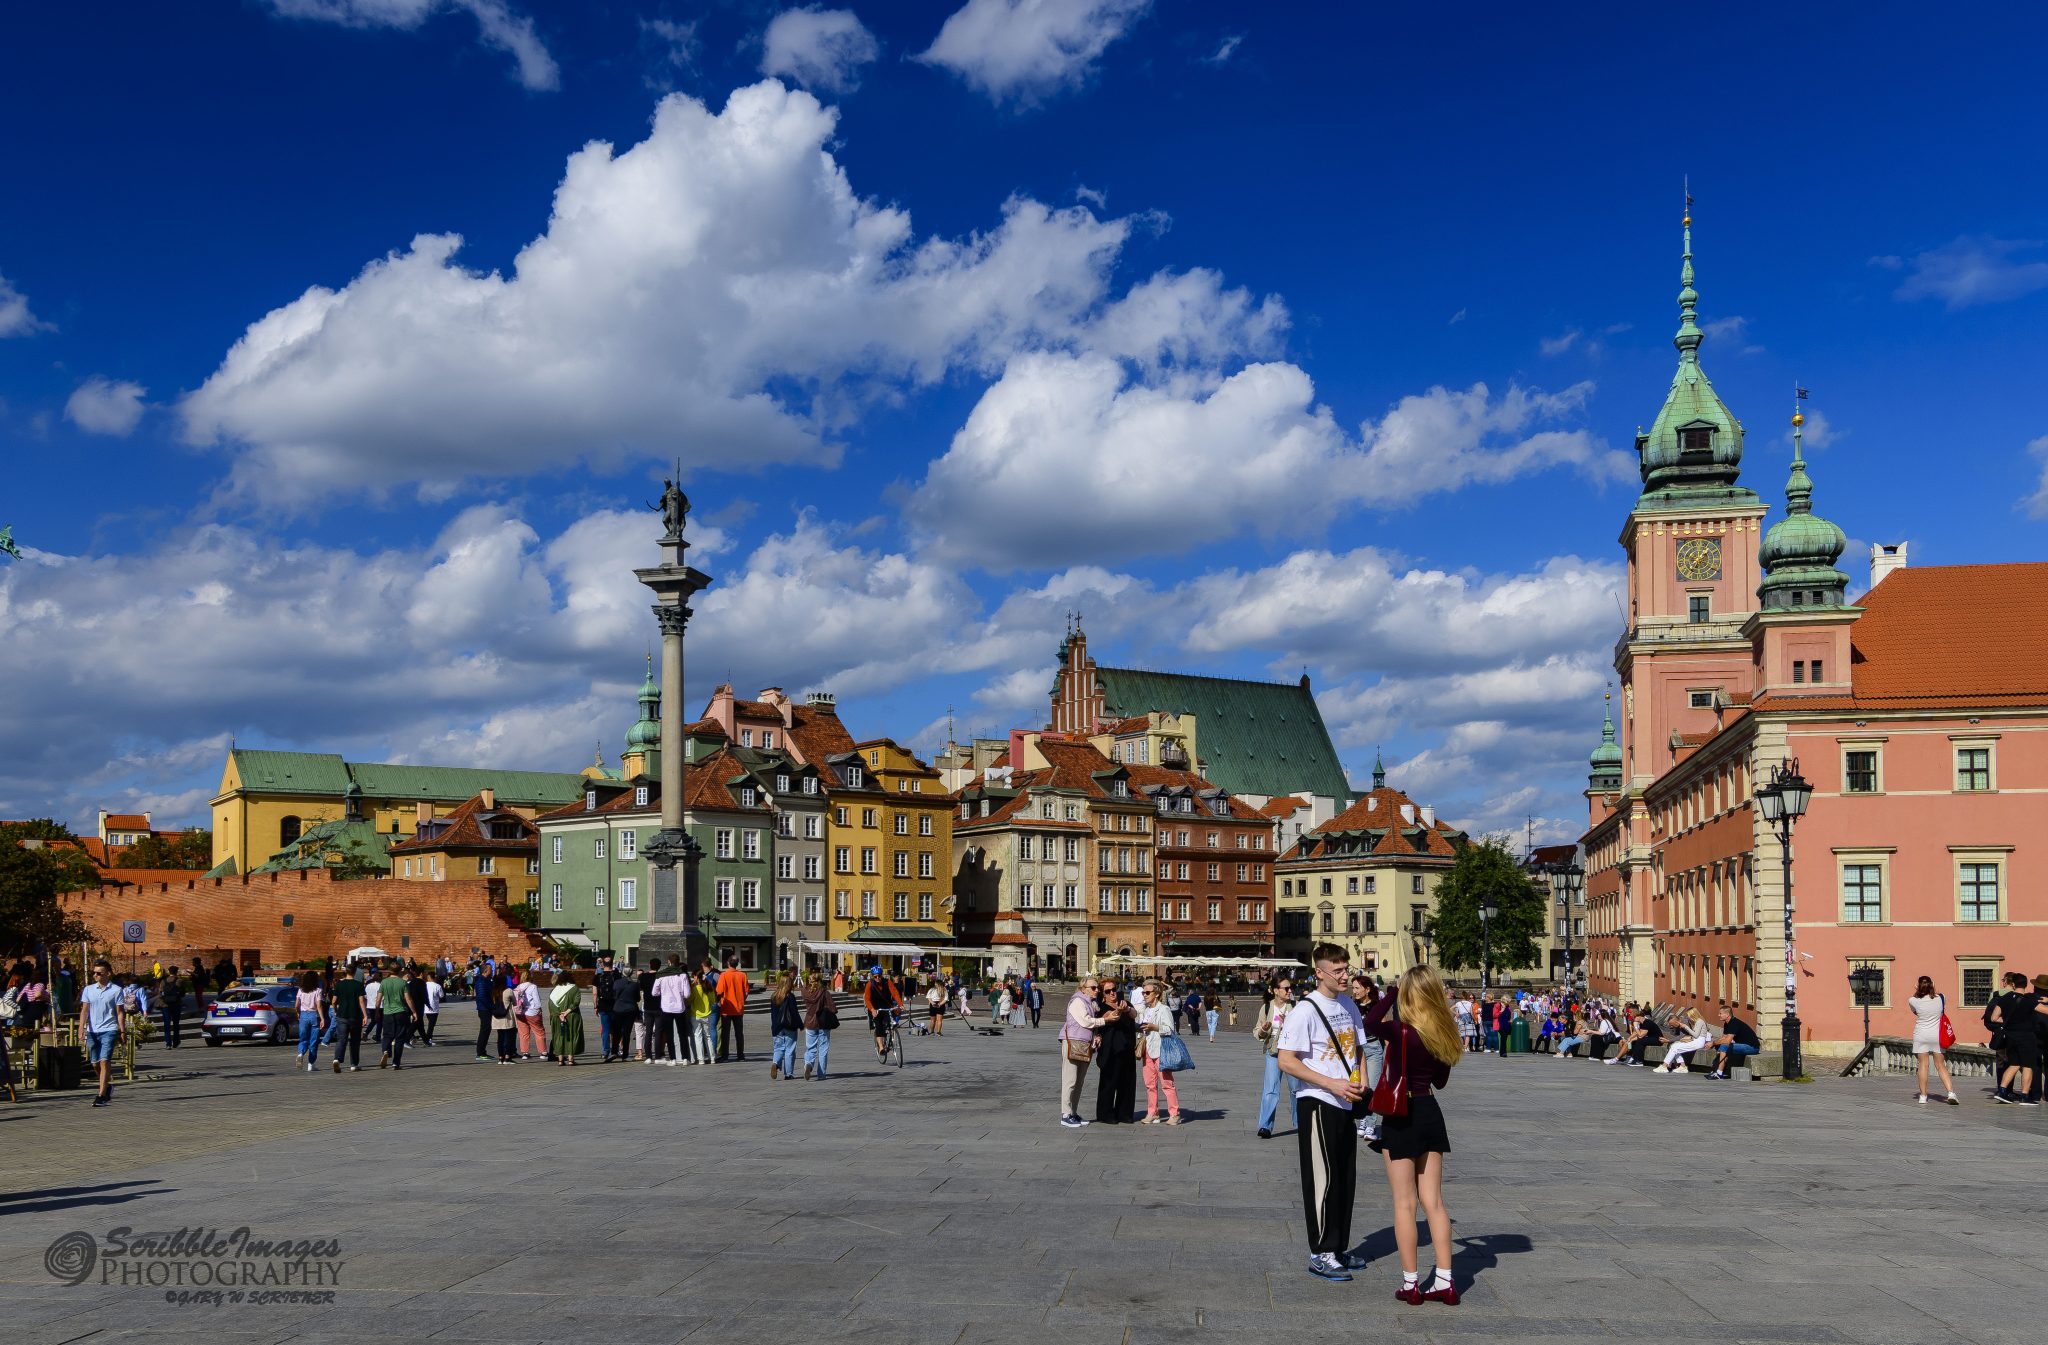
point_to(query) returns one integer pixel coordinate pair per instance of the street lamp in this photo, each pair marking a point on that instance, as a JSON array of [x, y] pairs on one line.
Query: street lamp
[[1866, 983], [1783, 802], [1487, 910], [1568, 879]]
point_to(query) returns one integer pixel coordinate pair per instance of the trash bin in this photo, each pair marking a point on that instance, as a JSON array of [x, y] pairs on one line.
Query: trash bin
[[1518, 1037], [60, 1066]]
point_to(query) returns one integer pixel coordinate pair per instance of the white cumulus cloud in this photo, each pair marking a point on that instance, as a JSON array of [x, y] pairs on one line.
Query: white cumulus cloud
[[102, 405], [15, 317], [1971, 270], [499, 25], [2037, 504], [717, 291], [1022, 50], [818, 48], [1193, 457]]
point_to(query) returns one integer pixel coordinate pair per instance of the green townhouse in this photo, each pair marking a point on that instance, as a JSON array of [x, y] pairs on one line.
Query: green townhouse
[[757, 816]]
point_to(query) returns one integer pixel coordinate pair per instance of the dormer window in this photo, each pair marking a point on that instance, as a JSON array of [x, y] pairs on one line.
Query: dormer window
[[1698, 439], [747, 796], [589, 800], [1120, 789], [639, 796], [782, 784], [853, 777]]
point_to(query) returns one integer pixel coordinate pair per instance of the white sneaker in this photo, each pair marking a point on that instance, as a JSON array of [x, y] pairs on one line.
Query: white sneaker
[[1923, 1099]]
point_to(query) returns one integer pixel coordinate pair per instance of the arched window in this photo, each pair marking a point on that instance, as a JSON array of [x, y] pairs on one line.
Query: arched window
[[288, 829]]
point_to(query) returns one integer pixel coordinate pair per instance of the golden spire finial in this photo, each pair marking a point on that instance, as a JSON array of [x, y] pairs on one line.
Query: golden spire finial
[[1688, 202]]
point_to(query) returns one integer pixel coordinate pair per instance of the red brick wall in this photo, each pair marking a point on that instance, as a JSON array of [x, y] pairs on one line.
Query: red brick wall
[[329, 916]]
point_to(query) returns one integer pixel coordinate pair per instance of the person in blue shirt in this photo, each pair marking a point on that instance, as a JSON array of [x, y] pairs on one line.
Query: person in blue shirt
[[101, 1022]]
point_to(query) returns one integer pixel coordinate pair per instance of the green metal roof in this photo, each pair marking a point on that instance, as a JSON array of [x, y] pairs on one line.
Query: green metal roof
[[901, 934], [327, 773], [292, 772], [1254, 737], [357, 839]]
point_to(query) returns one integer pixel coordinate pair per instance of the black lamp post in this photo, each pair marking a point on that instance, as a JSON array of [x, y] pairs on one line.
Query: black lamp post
[[1487, 910], [1569, 878], [1867, 984], [1783, 802]]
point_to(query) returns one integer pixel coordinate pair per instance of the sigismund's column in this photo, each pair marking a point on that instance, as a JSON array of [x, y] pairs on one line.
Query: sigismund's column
[[672, 924]]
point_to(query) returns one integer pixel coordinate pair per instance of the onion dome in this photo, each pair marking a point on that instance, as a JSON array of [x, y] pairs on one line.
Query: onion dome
[[1693, 450], [1800, 550], [1604, 766], [647, 732]]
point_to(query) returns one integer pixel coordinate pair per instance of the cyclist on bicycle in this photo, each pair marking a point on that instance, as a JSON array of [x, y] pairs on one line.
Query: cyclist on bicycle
[[884, 1002]]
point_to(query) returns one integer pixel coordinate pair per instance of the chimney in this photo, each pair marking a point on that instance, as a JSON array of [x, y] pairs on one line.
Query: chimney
[[1408, 814], [1428, 816], [422, 811], [1884, 558], [822, 701], [490, 798]]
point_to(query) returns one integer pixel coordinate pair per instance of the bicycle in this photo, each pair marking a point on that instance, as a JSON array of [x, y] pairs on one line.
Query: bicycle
[[892, 1053]]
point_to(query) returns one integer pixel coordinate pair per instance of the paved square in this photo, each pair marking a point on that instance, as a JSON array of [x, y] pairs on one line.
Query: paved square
[[942, 1203]]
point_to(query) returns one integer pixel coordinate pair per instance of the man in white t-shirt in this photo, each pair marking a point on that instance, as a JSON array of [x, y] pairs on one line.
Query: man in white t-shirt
[[1320, 1049], [433, 1013]]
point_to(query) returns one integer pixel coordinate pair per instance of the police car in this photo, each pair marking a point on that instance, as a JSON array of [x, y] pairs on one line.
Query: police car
[[247, 1012]]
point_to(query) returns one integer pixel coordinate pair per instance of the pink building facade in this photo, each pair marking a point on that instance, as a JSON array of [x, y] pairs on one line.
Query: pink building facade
[[1919, 713]]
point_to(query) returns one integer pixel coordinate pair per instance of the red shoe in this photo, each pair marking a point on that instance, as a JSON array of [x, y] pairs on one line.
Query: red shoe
[[1448, 1295], [1411, 1294]]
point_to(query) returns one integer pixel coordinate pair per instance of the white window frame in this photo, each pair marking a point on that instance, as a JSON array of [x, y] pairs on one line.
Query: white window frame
[[1995, 856], [557, 895], [558, 849], [629, 894], [629, 844]]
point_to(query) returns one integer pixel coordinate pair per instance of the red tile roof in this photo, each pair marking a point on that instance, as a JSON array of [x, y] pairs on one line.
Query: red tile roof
[[126, 822], [1142, 776], [1380, 810], [465, 828], [1942, 636], [1284, 806]]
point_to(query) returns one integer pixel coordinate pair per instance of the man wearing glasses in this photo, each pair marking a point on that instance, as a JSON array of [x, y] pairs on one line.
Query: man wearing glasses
[[1320, 1049], [101, 1023]]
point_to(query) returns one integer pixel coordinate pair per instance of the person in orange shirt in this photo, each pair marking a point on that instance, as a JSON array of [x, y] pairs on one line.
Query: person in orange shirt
[[732, 1010], [884, 1002]]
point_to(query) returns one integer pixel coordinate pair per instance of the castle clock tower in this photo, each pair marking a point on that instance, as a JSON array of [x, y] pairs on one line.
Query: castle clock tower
[[1692, 543]]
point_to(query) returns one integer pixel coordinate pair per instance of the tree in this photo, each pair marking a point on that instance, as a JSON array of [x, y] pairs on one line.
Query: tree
[[189, 849], [30, 880], [1488, 871], [60, 849]]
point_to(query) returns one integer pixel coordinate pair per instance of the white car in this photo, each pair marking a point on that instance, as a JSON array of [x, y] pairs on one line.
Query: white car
[[267, 1013]]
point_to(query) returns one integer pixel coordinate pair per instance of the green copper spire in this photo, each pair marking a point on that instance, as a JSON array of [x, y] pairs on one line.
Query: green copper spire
[[1604, 773], [1379, 770], [1689, 335], [1692, 453], [1800, 550], [647, 733]]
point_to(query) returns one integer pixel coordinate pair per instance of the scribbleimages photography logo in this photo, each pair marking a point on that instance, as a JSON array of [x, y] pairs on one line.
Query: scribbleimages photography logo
[[71, 1257], [201, 1266]]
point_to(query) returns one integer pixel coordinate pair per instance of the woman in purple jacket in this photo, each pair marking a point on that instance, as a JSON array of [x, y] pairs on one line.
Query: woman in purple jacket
[[1422, 1045]]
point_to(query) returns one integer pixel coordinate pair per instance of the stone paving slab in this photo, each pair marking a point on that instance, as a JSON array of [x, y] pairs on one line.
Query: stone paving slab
[[940, 1203]]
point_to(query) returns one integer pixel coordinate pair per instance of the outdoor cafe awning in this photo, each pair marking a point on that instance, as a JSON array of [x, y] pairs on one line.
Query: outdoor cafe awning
[[1120, 959], [862, 949]]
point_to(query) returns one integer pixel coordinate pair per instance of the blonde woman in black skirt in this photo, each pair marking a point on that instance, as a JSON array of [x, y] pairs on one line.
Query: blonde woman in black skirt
[[1422, 1045]]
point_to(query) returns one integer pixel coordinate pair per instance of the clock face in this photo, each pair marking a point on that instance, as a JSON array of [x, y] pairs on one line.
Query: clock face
[[1699, 558]]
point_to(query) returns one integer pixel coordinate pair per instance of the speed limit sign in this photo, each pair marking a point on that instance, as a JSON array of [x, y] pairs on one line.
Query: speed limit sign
[[131, 931]]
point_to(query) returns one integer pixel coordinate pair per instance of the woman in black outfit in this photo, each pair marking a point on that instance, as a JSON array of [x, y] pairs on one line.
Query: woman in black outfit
[[1116, 1059], [1422, 1045]]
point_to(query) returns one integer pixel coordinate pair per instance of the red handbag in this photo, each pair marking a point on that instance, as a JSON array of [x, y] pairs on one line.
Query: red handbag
[[1390, 1095], [1946, 1034]]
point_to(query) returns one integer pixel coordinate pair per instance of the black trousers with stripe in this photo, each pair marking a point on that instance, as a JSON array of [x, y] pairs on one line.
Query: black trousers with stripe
[[1329, 1172]]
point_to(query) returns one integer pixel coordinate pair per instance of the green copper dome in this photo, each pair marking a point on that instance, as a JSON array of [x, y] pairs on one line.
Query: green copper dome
[[647, 733], [1693, 451], [1800, 550]]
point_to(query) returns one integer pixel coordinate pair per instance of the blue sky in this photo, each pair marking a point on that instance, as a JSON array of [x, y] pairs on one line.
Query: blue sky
[[1270, 339]]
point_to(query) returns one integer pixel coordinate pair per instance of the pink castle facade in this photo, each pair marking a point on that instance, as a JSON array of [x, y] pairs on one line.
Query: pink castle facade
[[1919, 713]]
